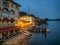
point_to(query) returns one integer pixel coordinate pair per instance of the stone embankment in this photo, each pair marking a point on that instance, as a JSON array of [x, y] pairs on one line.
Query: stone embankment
[[21, 39]]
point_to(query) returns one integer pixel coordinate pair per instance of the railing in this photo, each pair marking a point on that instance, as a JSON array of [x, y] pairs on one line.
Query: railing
[[6, 25]]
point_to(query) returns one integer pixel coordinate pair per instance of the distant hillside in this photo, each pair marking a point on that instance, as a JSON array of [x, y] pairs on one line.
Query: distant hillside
[[53, 19]]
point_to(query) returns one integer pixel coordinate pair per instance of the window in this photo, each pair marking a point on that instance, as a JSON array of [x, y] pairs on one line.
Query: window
[[5, 3], [5, 13], [11, 13]]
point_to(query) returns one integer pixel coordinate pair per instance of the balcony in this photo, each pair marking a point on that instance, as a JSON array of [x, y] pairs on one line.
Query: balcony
[[6, 25]]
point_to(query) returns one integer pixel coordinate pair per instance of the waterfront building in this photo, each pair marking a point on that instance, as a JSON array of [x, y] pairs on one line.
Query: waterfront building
[[37, 20], [9, 13], [26, 22]]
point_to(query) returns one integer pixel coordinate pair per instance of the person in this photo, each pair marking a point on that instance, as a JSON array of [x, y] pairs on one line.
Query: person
[[44, 31], [43, 28]]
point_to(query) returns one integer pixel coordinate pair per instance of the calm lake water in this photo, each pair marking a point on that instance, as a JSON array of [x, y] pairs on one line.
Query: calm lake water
[[51, 38]]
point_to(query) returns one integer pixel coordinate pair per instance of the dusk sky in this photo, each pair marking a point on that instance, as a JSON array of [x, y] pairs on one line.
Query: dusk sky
[[41, 8]]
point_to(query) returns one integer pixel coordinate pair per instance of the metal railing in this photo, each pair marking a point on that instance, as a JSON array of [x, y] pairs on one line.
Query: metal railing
[[6, 25]]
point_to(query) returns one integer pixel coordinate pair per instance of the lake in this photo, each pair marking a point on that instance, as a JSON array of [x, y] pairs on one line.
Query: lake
[[51, 38]]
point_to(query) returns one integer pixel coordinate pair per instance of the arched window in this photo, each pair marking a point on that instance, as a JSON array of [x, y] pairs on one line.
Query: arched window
[[11, 13], [5, 3], [5, 12]]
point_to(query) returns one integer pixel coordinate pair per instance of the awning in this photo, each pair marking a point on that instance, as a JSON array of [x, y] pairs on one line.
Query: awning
[[8, 29], [12, 20], [5, 19]]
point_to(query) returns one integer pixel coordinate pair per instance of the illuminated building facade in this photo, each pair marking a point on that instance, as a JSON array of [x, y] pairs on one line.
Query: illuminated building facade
[[9, 13], [26, 22]]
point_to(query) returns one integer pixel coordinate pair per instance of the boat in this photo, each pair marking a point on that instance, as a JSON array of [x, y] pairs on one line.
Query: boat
[[27, 33], [46, 31]]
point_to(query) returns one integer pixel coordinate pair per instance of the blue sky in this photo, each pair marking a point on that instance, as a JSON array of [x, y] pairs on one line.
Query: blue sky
[[41, 8]]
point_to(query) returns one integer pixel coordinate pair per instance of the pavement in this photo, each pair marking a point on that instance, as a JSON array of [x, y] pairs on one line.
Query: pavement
[[18, 40]]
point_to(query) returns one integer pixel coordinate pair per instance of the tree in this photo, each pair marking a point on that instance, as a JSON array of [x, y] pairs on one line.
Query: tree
[[23, 13], [32, 15]]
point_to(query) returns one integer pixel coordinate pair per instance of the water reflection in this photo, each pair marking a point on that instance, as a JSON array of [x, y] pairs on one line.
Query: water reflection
[[52, 37], [44, 34], [45, 30]]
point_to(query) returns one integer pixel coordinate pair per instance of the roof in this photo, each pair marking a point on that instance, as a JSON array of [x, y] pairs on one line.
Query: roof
[[15, 3]]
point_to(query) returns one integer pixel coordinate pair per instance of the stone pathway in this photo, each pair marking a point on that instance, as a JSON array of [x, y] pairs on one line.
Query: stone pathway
[[19, 40]]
